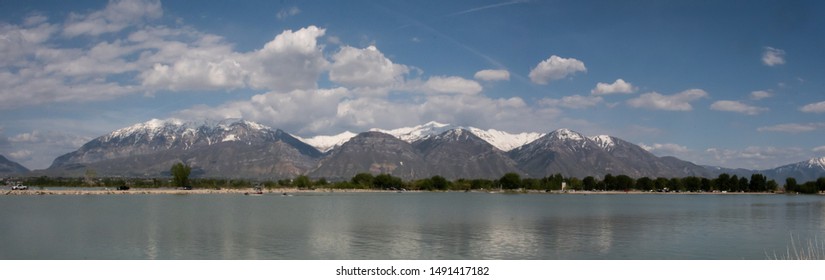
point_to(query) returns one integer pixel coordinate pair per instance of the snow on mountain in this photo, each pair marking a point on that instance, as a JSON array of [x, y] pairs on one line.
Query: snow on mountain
[[604, 141], [175, 127], [500, 139], [567, 134], [817, 162], [324, 143], [505, 141], [418, 132]]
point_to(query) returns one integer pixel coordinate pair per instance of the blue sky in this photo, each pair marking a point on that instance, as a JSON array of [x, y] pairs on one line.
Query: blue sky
[[726, 83]]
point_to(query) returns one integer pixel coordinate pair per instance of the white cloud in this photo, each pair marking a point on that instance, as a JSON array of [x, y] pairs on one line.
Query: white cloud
[[757, 157], [773, 56], [619, 86], [573, 101], [288, 12], [792, 127], [818, 107], [555, 68], [118, 15], [737, 107], [760, 94], [21, 155], [366, 67], [292, 60], [452, 84], [677, 102], [331, 111], [33, 136], [665, 149], [492, 75], [819, 149]]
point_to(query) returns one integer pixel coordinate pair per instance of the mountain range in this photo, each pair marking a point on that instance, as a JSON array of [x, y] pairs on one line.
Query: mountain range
[[238, 148], [8, 167]]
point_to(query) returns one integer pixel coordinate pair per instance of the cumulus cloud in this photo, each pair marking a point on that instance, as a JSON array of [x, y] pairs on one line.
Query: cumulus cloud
[[619, 86], [330, 111], [573, 101], [366, 67], [555, 68], [292, 60], [818, 107], [492, 75], [451, 84], [760, 94], [737, 107], [677, 102], [773, 56], [118, 15]]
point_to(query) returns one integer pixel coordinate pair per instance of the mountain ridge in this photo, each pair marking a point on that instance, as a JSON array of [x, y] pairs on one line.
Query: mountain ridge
[[9, 167], [240, 148]]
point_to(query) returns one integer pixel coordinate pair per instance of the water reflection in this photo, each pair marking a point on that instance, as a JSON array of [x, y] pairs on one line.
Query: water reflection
[[405, 226]]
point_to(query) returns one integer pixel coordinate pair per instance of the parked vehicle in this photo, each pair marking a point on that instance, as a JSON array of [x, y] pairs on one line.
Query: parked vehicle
[[19, 187]]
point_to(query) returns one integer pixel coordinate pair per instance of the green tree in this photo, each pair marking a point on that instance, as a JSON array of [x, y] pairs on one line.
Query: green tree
[[645, 183], [589, 183], [510, 181], [610, 182], [772, 186], [791, 185], [363, 180], [180, 174], [692, 183], [302, 182], [758, 183], [440, 183], [624, 182], [386, 181]]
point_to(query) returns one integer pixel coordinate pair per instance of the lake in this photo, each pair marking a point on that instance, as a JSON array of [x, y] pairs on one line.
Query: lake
[[407, 226]]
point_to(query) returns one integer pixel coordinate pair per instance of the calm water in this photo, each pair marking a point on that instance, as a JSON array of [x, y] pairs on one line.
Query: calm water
[[406, 226]]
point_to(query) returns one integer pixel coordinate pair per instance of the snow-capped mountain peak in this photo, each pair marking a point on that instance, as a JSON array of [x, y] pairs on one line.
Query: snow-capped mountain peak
[[567, 134], [150, 128], [604, 141], [324, 143], [505, 141], [817, 162], [418, 132]]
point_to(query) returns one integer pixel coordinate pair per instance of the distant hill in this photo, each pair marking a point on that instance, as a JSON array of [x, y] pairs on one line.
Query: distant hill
[[803, 171], [8, 167]]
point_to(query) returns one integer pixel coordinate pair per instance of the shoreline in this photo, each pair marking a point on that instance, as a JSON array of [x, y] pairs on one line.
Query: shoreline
[[280, 191]]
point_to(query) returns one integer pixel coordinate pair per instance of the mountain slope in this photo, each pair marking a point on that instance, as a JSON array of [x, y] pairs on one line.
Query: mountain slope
[[373, 152], [458, 153], [803, 171], [8, 167], [566, 152], [230, 148], [637, 162]]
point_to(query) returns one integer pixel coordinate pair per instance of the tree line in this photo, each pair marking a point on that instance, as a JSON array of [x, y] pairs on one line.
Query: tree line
[[510, 181]]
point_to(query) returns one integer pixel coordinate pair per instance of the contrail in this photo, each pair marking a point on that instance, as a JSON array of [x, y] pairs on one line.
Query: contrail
[[491, 6]]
